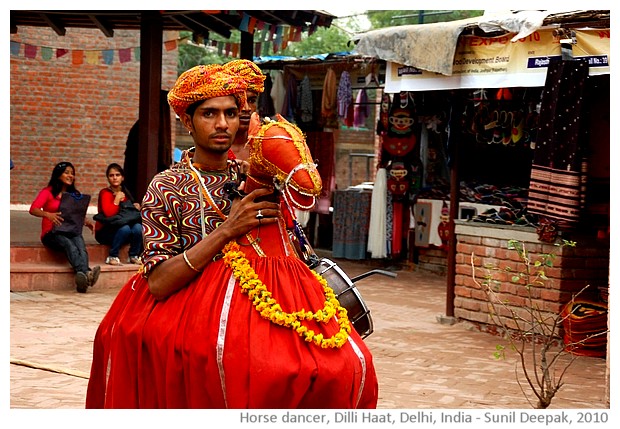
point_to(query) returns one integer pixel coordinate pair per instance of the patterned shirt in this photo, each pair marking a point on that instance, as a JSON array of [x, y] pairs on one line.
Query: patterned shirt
[[171, 215]]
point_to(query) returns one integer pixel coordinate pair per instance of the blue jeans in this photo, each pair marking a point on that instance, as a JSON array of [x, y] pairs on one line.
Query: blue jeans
[[73, 247], [127, 234]]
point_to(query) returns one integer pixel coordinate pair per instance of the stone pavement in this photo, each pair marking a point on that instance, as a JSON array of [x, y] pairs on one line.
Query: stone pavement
[[421, 363]]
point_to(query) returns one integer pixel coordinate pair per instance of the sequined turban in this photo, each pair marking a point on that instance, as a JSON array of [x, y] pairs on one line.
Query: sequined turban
[[203, 82], [250, 72]]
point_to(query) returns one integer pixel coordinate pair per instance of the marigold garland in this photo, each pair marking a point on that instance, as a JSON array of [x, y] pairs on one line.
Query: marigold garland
[[269, 308]]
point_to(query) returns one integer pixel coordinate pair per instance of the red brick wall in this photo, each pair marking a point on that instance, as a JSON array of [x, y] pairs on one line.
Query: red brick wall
[[79, 113], [573, 268]]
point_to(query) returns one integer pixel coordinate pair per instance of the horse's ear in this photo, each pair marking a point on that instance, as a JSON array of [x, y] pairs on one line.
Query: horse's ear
[[254, 127], [281, 118]]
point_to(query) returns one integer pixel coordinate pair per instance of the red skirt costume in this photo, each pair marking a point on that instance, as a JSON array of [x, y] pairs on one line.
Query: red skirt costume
[[207, 345]]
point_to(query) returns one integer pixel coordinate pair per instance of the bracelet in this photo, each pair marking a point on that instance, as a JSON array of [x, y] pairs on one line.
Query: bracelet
[[189, 264]]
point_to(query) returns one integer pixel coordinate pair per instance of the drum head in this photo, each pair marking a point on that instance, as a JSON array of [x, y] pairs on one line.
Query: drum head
[[348, 296]]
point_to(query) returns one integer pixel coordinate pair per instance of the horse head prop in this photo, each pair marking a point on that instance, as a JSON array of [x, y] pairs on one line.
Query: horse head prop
[[280, 158]]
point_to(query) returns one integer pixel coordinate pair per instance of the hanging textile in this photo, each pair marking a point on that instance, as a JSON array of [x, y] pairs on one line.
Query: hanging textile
[[400, 138], [278, 92], [265, 101], [329, 100], [350, 219], [305, 96], [401, 116], [289, 108], [377, 245], [361, 109], [345, 94], [383, 122], [321, 145], [557, 183]]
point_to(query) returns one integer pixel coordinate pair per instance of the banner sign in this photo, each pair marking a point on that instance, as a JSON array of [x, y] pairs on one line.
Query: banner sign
[[496, 62]]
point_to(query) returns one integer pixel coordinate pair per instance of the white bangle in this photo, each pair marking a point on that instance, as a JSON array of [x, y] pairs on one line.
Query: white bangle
[[189, 264]]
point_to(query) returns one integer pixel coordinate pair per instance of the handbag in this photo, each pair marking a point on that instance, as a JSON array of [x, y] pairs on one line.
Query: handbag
[[73, 207], [127, 214]]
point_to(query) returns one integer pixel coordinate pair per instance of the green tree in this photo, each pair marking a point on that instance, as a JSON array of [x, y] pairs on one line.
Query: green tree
[[336, 38], [322, 41], [393, 18]]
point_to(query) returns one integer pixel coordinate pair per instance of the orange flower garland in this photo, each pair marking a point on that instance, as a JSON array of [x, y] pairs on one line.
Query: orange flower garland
[[269, 308]]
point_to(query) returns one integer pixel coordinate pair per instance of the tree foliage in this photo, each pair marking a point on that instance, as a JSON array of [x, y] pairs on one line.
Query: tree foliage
[[336, 38], [393, 18]]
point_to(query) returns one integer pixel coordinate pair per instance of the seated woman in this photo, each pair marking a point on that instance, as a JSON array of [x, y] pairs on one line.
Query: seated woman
[[47, 206], [225, 314], [116, 227]]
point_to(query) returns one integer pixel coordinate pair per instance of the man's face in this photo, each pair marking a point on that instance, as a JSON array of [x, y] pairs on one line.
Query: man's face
[[214, 124], [247, 110]]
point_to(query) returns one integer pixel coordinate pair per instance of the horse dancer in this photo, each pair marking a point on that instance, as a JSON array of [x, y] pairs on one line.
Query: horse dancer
[[224, 314]]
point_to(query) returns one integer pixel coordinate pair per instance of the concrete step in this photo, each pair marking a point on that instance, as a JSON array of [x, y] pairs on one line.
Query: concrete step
[[37, 253], [34, 267]]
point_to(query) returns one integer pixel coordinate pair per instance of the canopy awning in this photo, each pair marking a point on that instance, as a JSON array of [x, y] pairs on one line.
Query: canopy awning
[[509, 49]]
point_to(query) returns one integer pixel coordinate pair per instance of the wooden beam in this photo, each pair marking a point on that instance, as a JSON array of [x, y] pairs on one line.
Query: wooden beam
[[213, 23], [151, 34], [55, 25], [105, 28]]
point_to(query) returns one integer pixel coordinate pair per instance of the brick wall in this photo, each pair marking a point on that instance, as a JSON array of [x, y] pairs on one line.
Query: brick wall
[[76, 112], [573, 268]]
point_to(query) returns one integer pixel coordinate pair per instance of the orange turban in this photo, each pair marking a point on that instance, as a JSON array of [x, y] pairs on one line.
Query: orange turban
[[203, 82], [250, 72]]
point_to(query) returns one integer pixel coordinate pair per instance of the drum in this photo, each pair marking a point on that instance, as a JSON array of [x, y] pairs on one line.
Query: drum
[[348, 296]]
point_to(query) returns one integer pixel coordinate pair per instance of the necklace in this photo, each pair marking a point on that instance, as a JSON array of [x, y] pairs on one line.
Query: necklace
[[204, 193]]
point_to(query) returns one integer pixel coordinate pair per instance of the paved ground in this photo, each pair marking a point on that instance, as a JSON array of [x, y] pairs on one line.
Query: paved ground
[[421, 364]]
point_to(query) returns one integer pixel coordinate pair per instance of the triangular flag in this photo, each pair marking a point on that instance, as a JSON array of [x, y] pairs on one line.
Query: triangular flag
[[136, 53], [257, 47], [220, 47], [77, 57], [30, 51], [61, 52], [260, 24], [235, 50]]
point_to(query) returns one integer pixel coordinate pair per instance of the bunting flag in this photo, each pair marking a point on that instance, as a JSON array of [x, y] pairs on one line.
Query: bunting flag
[[30, 51], [77, 57], [92, 57], [170, 45], [108, 56], [252, 25], [15, 48], [84, 56], [245, 20], [124, 55], [46, 53], [267, 36]]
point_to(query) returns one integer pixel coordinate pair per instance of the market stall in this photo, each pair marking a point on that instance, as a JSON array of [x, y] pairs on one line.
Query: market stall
[[511, 117]]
